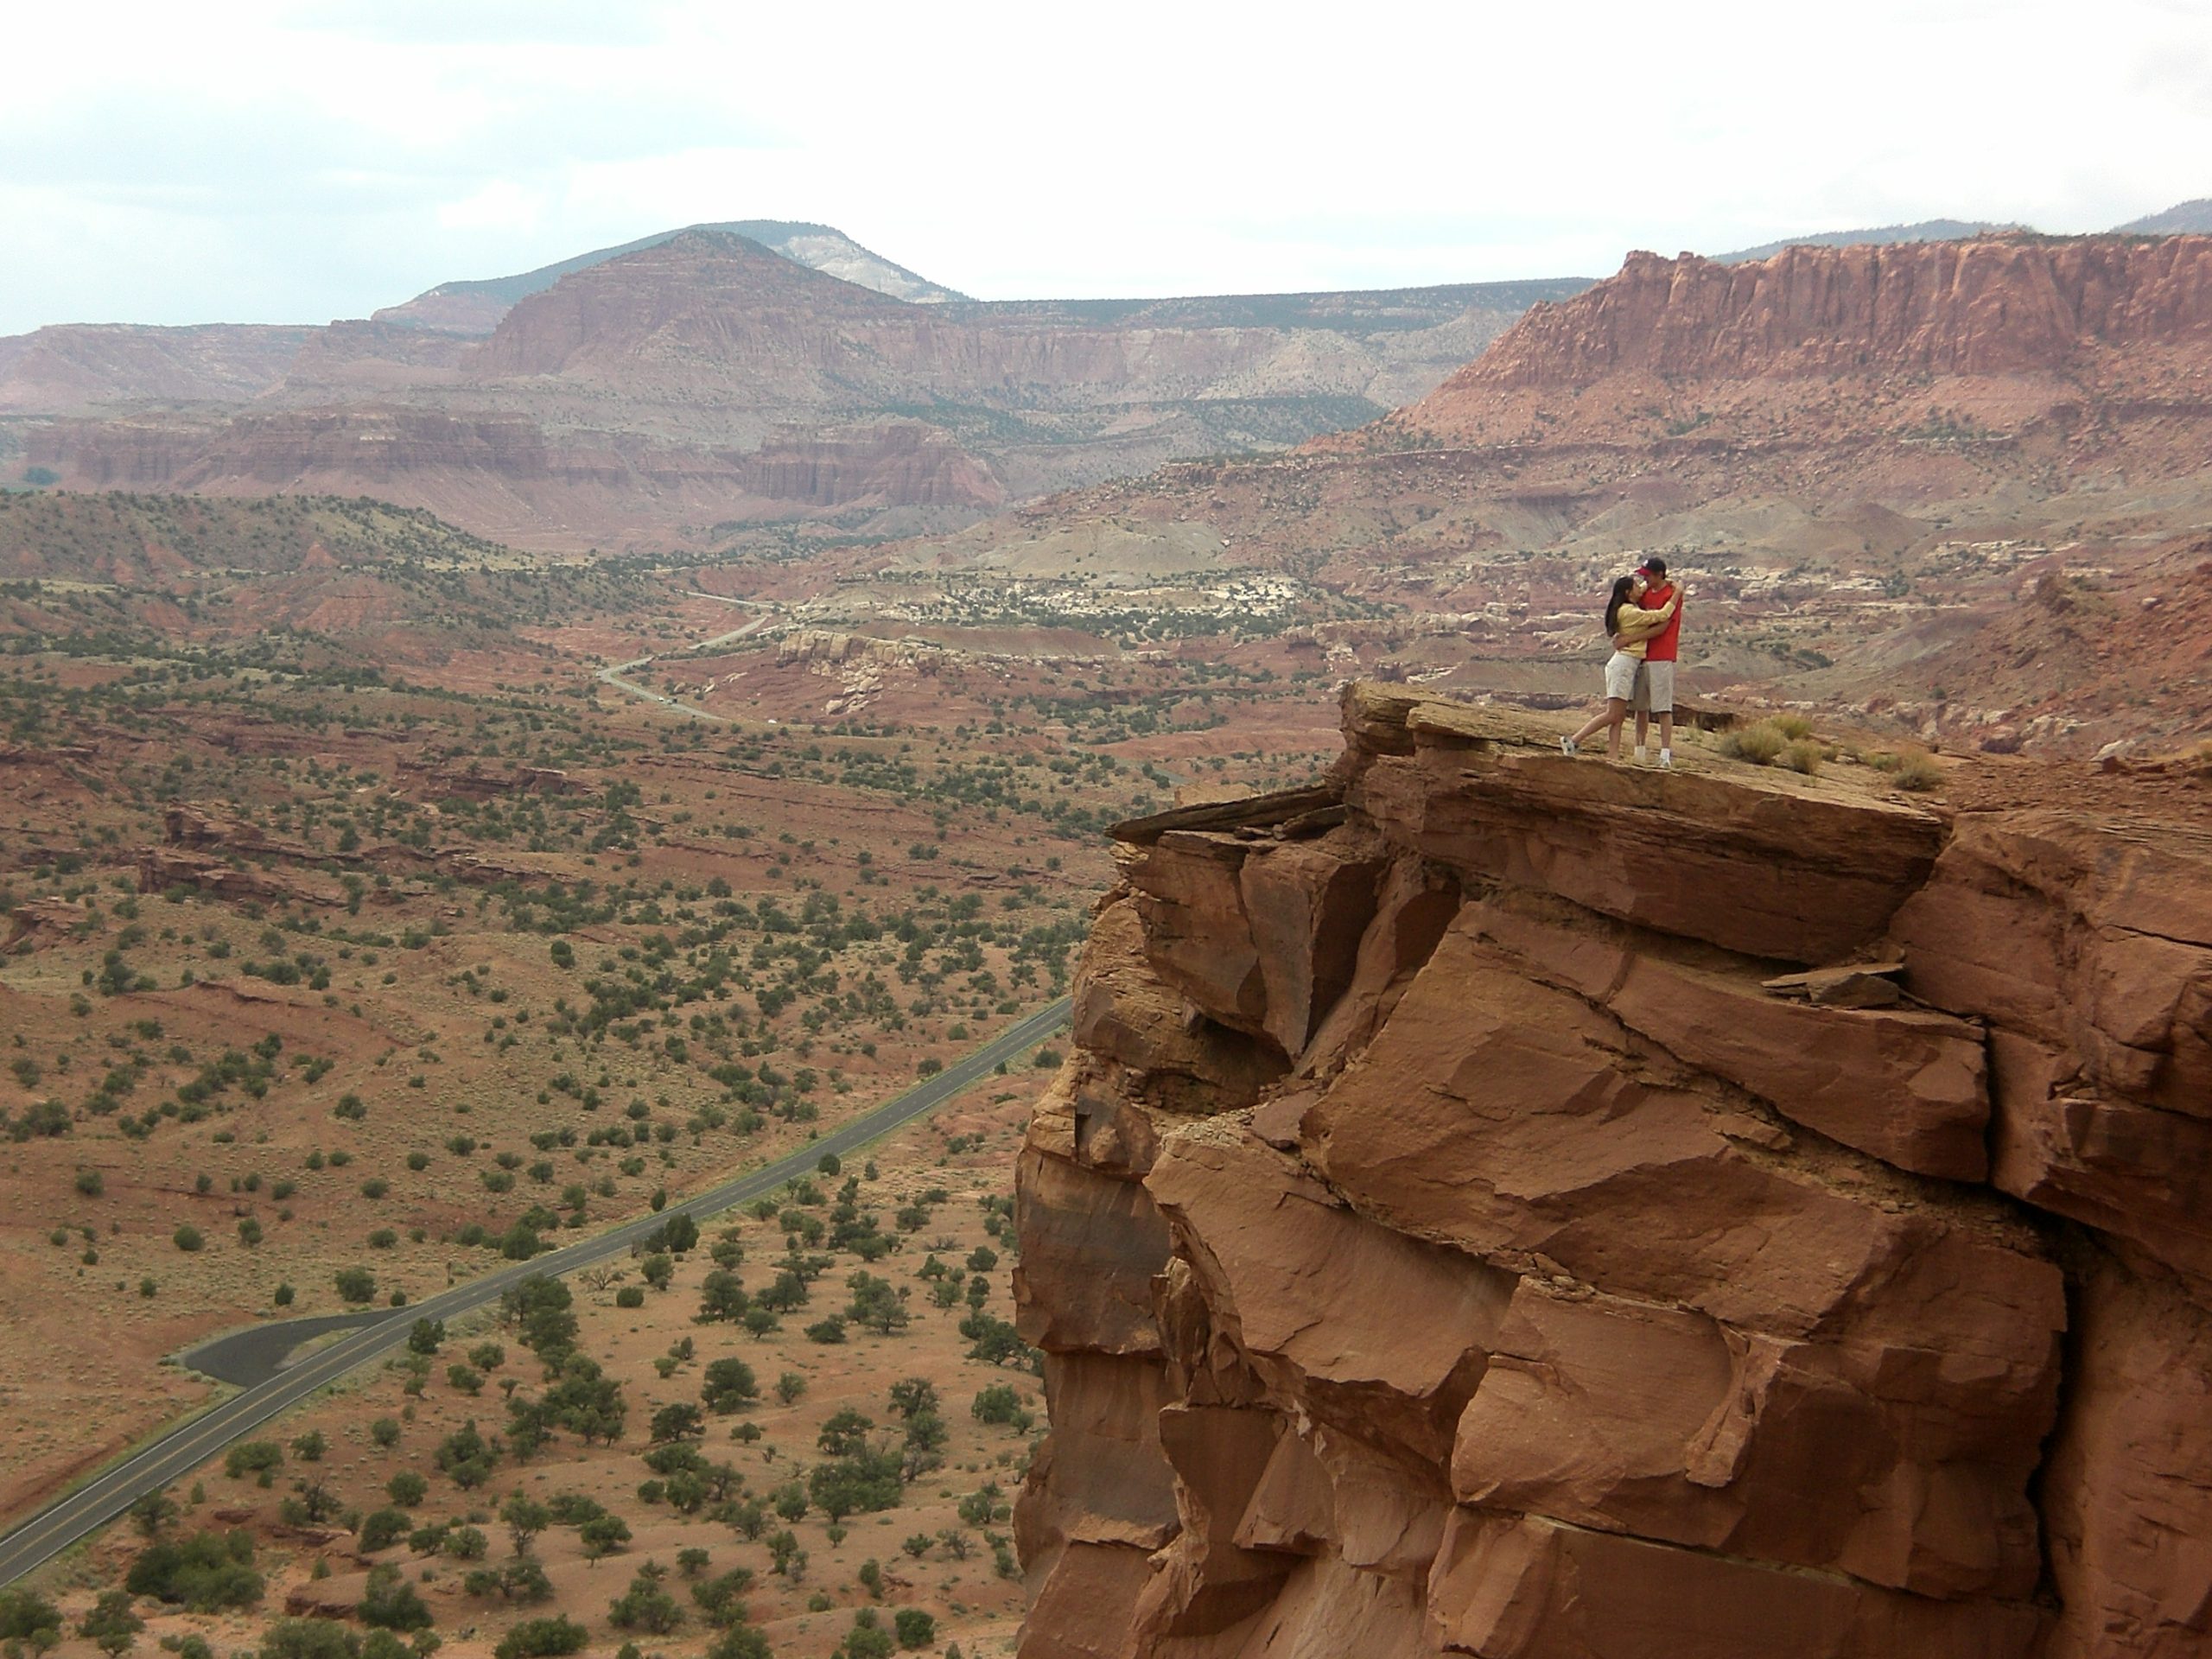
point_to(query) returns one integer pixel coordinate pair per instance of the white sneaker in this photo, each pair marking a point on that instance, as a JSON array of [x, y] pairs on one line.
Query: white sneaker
[[1641, 756], [1666, 759], [1569, 748]]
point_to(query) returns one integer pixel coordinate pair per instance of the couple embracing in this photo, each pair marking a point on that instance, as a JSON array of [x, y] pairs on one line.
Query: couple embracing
[[1643, 620]]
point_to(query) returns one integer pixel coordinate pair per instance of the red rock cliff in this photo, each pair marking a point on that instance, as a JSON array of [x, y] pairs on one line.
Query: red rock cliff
[[1998, 329], [1442, 1241]]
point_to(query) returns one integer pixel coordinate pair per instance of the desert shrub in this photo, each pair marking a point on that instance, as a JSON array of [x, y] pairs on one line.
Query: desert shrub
[[253, 1458], [721, 1599], [355, 1284], [742, 1642], [391, 1603], [1758, 743], [204, 1573], [645, 1606], [467, 1456], [729, 1385], [26, 1616], [677, 1421], [1804, 755], [916, 1627], [535, 1638], [868, 1481], [382, 1529], [187, 1237], [1793, 727], [111, 1625], [998, 1403], [407, 1488], [309, 1638], [866, 1639], [522, 1581], [630, 1296], [602, 1536]]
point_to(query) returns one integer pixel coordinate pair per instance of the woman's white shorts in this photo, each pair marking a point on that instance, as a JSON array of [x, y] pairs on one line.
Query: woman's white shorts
[[1620, 675]]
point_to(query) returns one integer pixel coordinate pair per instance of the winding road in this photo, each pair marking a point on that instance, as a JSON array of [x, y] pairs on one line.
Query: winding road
[[257, 1356], [612, 674]]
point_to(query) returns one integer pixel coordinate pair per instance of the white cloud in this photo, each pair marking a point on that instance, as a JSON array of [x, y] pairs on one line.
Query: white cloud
[[273, 159]]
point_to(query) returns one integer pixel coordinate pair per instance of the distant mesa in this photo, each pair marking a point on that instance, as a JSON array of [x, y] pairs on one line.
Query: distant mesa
[[475, 307], [1928, 230], [708, 379], [2182, 219]]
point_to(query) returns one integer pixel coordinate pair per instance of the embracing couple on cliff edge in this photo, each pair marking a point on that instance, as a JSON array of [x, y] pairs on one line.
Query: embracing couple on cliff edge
[[1643, 620]]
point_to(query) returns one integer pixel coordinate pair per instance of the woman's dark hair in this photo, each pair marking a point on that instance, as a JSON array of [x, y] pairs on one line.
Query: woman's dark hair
[[1623, 586]]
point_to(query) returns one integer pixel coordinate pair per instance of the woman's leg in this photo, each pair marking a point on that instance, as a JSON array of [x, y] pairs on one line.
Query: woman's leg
[[1604, 718], [1616, 715]]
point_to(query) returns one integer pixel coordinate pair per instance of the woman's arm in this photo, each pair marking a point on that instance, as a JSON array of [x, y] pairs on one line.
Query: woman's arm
[[1632, 625]]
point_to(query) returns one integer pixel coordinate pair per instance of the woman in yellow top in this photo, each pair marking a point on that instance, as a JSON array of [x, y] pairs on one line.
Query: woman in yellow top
[[1631, 631]]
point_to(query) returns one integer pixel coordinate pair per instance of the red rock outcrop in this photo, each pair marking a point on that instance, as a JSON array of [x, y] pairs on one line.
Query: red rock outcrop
[[1981, 339], [1444, 1240], [2007, 305]]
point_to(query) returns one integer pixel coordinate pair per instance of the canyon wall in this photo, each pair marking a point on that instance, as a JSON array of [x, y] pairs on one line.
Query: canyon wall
[[1508, 1205], [1936, 341]]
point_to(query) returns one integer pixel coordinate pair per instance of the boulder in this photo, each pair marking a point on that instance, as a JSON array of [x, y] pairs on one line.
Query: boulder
[[1089, 1247]]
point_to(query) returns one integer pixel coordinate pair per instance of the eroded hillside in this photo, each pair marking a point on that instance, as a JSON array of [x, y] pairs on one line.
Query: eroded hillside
[[1507, 1205]]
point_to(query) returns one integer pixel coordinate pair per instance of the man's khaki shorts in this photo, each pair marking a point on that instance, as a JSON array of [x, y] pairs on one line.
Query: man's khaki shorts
[[1655, 688]]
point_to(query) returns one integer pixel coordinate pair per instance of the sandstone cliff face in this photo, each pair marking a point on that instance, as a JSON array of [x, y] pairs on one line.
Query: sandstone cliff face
[[1993, 307], [1926, 336], [1442, 1242]]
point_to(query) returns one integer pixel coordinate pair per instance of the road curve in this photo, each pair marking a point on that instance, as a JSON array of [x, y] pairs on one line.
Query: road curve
[[191, 1442], [612, 674]]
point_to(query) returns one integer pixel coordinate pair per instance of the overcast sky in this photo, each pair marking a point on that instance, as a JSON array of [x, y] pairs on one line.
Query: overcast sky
[[258, 161]]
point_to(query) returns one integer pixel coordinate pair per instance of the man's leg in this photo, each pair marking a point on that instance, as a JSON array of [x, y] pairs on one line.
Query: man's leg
[[1663, 699]]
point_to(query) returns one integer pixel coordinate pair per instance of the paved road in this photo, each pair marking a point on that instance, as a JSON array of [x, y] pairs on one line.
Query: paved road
[[192, 1442], [254, 1355], [613, 675]]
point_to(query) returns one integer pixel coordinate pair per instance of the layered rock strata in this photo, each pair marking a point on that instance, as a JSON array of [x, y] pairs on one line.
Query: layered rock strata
[[1443, 1240]]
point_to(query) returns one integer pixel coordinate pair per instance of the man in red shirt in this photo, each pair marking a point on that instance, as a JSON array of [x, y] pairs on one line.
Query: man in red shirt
[[1654, 675]]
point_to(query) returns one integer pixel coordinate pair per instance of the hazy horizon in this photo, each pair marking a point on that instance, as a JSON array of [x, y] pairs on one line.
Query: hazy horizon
[[283, 160]]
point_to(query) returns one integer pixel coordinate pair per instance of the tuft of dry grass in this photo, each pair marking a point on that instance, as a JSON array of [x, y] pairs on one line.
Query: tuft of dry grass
[[1758, 743], [1916, 770], [1909, 768], [1804, 755]]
